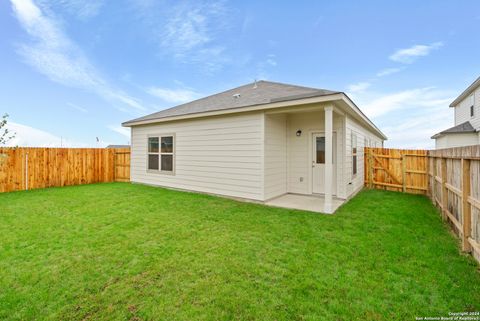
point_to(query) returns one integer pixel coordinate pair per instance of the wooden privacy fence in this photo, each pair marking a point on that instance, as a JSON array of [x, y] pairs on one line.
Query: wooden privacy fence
[[28, 168], [403, 170], [450, 177]]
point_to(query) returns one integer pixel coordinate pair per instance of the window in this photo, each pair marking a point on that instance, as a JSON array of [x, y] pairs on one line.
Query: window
[[320, 150], [161, 153], [472, 105], [354, 154]]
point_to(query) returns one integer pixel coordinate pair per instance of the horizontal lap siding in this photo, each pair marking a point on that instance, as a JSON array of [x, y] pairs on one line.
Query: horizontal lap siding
[[275, 156], [462, 110], [354, 183], [220, 155]]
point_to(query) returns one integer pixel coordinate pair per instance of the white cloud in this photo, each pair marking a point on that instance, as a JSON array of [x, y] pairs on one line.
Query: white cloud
[[120, 130], [26, 136], [187, 31], [79, 8], [358, 87], [79, 108], [173, 95], [409, 117], [388, 71], [53, 54], [409, 55], [271, 60]]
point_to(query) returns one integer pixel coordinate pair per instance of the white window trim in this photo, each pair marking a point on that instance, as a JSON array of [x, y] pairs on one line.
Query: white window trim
[[159, 170], [352, 135]]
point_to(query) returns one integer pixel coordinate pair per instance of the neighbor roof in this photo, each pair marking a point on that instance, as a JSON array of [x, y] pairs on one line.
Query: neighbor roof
[[466, 92], [118, 146], [257, 93], [465, 127]]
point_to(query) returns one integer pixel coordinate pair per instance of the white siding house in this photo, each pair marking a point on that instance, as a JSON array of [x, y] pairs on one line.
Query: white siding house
[[258, 142], [466, 130]]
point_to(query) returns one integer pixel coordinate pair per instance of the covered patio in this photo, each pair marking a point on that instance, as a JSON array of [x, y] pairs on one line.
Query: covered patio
[[304, 153]]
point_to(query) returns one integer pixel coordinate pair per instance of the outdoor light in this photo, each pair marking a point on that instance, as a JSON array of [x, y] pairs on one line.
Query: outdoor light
[[299, 132]]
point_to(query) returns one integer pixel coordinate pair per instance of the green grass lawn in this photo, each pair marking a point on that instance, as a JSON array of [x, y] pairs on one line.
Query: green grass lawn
[[131, 252]]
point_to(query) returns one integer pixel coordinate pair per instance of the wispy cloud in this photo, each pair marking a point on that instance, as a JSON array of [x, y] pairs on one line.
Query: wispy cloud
[[409, 55], [188, 30], [79, 8], [120, 130], [408, 117], [53, 54], [173, 95], [388, 71], [32, 137], [271, 60], [79, 108], [358, 87]]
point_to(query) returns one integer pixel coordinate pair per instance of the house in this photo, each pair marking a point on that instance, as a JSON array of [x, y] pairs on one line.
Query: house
[[259, 141], [467, 120], [118, 146]]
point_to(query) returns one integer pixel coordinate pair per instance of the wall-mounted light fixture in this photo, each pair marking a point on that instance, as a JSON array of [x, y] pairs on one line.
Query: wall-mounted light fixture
[[299, 133]]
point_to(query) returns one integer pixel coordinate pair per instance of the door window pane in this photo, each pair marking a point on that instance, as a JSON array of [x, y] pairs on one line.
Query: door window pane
[[320, 150], [167, 163], [153, 144], [153, 161], [167, 144]]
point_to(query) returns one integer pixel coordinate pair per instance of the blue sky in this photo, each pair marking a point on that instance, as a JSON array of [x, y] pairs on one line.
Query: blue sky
[[74, 70]]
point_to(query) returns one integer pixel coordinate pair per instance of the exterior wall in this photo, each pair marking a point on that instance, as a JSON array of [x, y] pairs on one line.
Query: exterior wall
[[462, 110], [457, 140], [355, 182], [220, 155], [299, 150], [275, 155]]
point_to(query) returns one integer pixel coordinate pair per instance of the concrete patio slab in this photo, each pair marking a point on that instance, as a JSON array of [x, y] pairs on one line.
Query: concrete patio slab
[[313, 203]]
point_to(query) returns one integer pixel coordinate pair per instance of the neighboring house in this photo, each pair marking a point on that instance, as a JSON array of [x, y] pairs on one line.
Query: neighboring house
[[118, 146], [467, 120], [258, 141]]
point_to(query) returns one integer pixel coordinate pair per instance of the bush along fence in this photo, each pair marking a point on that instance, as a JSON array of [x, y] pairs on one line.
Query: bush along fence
[[449, 177], [29, 168]]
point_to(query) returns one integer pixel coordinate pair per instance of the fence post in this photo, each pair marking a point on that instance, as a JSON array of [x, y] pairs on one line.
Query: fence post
[[444, 188], [404, 173], [466, 209]]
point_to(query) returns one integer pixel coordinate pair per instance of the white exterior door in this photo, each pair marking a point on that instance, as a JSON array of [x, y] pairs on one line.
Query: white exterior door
[[318, 164]]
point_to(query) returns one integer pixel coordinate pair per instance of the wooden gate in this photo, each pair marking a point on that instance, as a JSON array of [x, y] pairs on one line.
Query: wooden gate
[[122, 164], [402, 170]]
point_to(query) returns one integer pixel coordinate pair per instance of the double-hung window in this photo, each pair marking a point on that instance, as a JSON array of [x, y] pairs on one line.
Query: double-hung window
[[354, 154], [472, 105], [161, 153]]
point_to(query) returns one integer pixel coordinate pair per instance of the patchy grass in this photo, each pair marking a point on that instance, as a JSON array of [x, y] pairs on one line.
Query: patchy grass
[[121, 251]]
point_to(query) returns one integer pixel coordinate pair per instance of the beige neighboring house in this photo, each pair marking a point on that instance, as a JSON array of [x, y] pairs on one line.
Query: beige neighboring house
[[260, 141], [466, 131]]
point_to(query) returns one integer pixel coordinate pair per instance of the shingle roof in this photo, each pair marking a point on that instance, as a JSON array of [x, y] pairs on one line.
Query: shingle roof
[[465, 127], [118, 146], [261, 92]]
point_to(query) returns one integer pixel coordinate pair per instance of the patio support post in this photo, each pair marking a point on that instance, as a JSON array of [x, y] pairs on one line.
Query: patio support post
[[328, 158]]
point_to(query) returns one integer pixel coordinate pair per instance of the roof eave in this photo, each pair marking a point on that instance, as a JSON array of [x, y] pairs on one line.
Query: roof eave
[[466, 92]]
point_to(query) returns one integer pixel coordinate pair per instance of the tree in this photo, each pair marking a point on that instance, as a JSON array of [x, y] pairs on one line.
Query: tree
[[5, 134]]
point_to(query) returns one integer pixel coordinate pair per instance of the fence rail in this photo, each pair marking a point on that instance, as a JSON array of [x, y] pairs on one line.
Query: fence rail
[[450, 178], [29, 168]]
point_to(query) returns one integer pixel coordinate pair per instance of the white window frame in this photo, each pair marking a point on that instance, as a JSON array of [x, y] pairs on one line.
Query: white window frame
[[354, 150], [160, 153], [472, 106]]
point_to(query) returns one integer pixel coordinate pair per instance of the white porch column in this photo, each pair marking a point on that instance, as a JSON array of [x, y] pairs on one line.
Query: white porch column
[[328, 158]]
